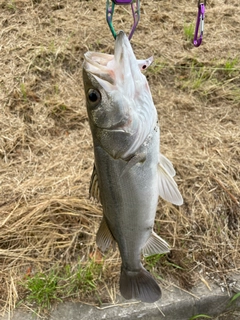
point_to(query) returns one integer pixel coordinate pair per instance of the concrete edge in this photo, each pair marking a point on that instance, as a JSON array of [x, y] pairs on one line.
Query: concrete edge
[[175, 304]]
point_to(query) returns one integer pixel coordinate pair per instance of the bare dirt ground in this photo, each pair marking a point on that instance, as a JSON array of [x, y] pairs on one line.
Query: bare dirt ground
[[47, 221]]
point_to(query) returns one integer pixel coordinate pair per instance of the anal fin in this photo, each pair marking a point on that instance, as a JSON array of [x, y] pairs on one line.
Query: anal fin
[[155, 245], [104, 237]]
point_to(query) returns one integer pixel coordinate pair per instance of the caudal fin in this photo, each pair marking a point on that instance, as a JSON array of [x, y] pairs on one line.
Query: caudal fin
[[139, 285]]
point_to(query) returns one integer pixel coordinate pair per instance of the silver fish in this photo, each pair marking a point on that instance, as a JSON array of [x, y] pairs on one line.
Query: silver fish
[[129, 172]]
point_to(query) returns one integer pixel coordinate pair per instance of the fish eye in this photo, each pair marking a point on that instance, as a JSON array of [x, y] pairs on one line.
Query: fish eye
[[94, 96]]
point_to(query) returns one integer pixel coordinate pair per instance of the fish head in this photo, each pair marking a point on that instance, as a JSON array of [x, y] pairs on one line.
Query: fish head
[[104, 109], [118, 96]]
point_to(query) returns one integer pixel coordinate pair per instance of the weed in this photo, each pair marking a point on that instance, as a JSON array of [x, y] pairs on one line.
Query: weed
[[151, 263], [153, 260], [85, 278], [188, 30], [23, 91], [159, 65], [200, 316], [42, 289], [234, 298], [12, 6], [230, 65], [56, 89], [174, 265], [198, 78]]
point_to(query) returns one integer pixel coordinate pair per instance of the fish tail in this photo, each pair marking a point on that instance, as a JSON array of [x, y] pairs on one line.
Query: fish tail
[[139, 285]]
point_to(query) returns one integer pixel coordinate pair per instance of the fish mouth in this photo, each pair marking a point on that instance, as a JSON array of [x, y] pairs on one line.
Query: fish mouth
[[99, 65], [123, 53], [114, 71]]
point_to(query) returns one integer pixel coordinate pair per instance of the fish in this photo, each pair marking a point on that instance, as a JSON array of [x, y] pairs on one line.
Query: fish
[[129, 172]]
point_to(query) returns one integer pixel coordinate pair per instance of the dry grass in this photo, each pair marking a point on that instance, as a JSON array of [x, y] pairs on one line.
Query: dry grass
[[46, 149]]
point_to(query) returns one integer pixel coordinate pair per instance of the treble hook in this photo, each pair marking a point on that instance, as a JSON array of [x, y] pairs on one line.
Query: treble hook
[[135, 13], [199, 23]]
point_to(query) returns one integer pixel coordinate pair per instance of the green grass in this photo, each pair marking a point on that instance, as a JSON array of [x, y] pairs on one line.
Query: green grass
[[230, 66], [200, 316], [23, 90], [158, 65], [152, 261], [234, 298], [85, 278], [197, 77], [188, 30], [44, 288], [11, 5], [209, 79]]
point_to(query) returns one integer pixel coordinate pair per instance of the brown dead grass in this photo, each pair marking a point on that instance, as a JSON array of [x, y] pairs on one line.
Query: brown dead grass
[[46, 148]]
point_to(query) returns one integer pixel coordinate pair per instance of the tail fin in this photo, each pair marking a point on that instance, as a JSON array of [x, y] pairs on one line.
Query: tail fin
[[139, 285]]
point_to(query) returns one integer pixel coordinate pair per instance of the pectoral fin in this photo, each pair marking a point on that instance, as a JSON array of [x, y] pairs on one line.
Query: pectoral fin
[[104, 237], [166, 164], [140, 157], [94, 191], [155, 245], [167, 187]]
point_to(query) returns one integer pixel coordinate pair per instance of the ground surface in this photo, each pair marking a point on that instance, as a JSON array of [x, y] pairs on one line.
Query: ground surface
[[48, 224]]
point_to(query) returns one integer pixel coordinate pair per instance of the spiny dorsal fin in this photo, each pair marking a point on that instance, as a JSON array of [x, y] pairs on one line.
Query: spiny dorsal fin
[[155, 245], [94, 191], [104, 237]]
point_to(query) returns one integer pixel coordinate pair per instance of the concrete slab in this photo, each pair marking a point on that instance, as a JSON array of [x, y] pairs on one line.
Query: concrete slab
[[175, 304]]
